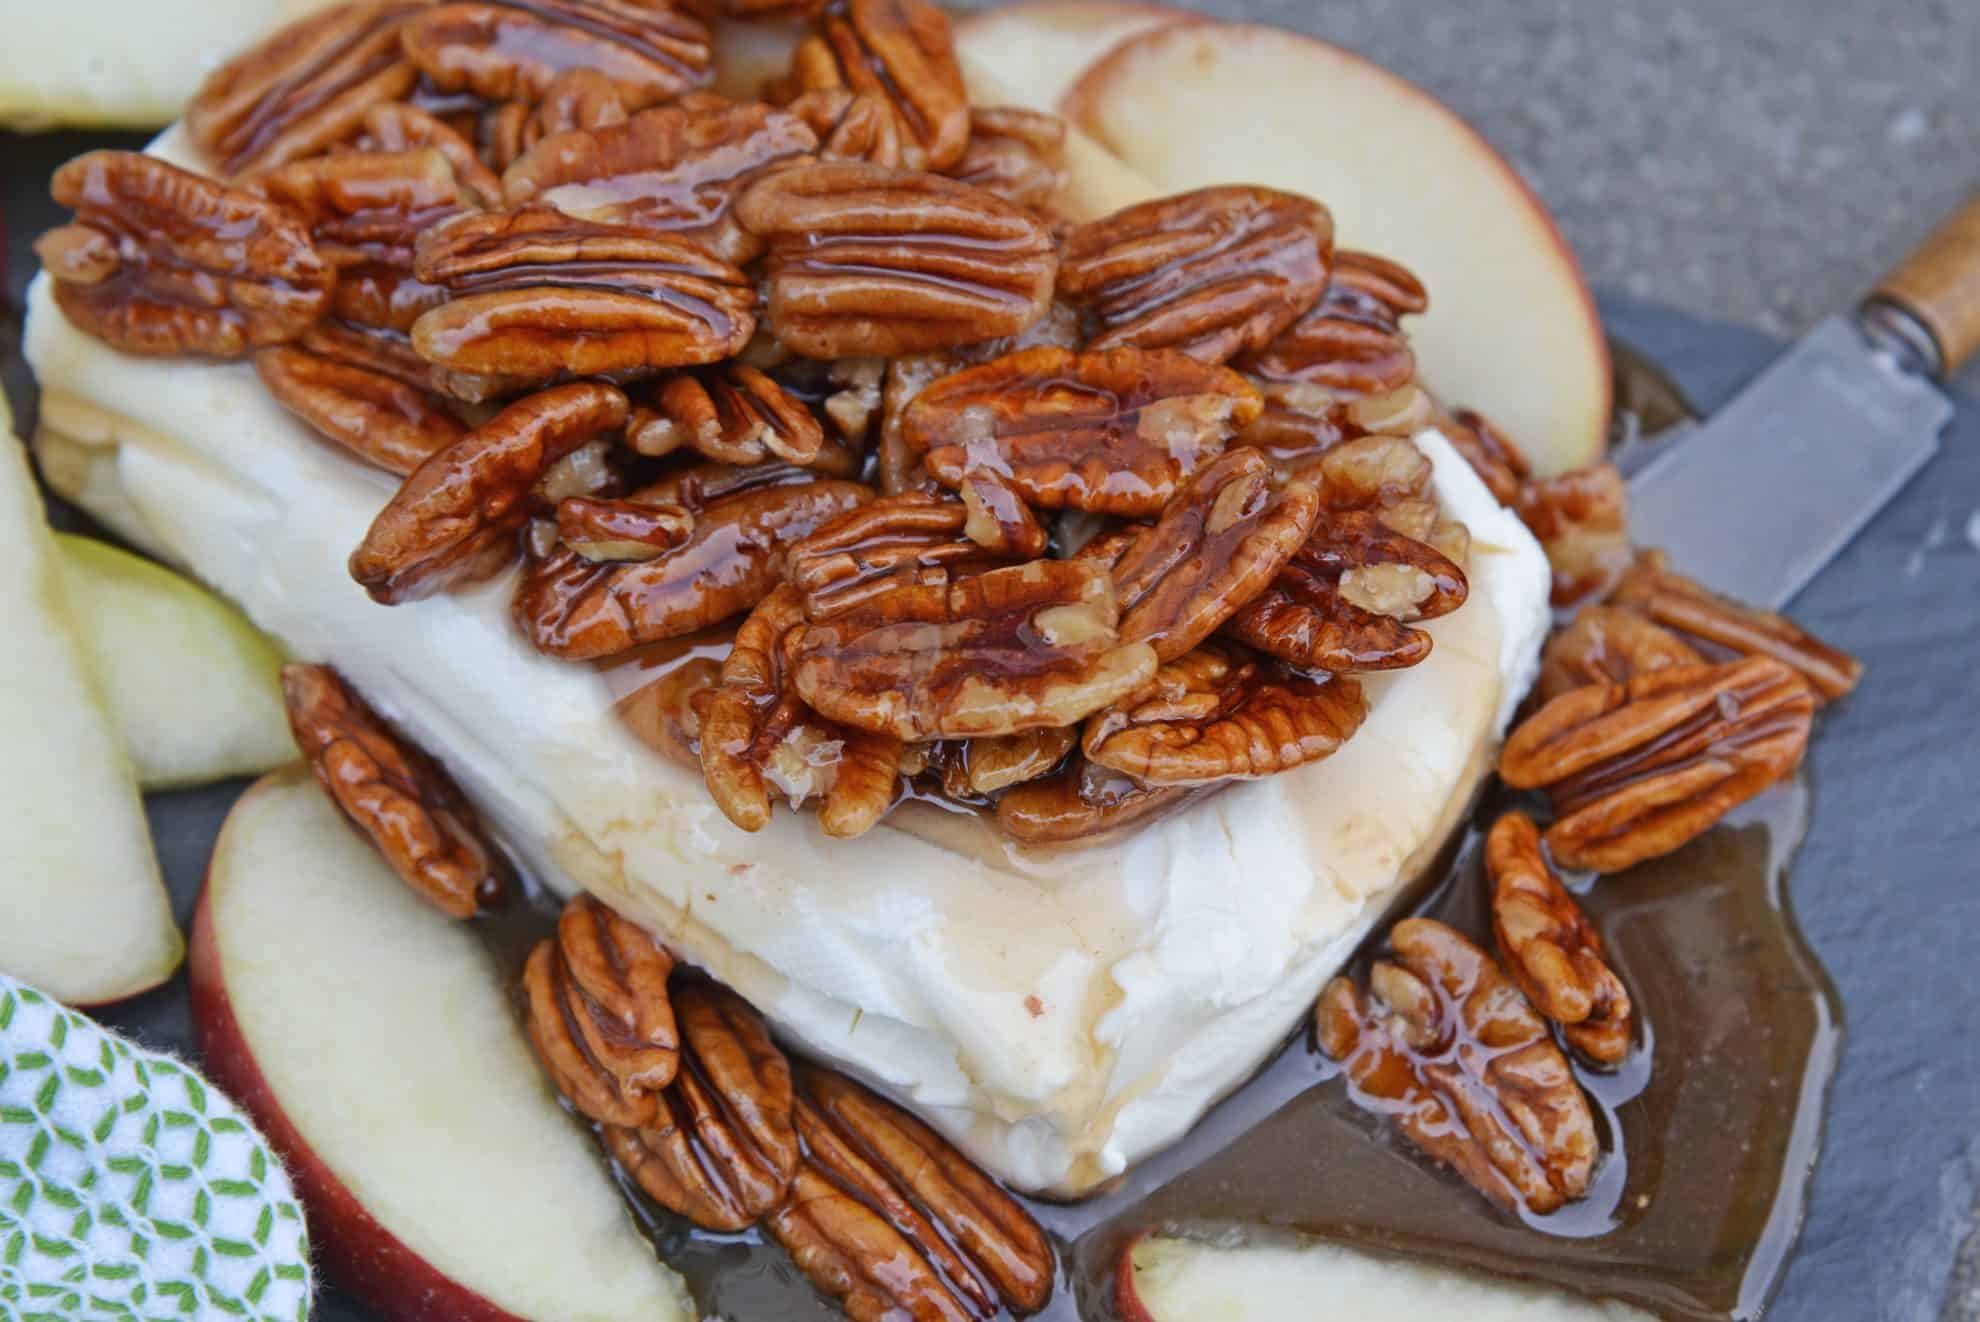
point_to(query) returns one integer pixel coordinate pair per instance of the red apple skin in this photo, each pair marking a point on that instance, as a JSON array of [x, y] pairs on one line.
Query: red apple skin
[[364, 1259], [1127, 1301]]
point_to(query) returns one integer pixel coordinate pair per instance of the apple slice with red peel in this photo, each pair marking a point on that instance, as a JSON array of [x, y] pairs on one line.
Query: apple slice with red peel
[[1039, 48], [376, 1046], [1512, 330]]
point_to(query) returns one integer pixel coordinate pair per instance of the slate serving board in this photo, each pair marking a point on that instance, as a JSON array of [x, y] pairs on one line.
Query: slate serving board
[[1884, 886]]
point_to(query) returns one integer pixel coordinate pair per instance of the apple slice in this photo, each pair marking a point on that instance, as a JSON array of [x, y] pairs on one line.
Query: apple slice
[[1163, 1279], [86, 918], [376, 1046], [1511, 331], [191, 684], [1039, 48]]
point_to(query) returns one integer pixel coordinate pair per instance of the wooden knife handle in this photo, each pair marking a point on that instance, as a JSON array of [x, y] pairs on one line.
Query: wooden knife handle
[[1939, 284]]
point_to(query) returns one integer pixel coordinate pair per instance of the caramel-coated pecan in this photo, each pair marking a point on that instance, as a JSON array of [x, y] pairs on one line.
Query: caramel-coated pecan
[[675, 168], [870, 262], [903, 52], [1443, 1044], [1636, 770], [942, 657], [1370, 473], [1218, 713], [455, 519], [917, 536], [1303, 425], [1581, 519], [978, 768], [1085, 803], [534, 293], [1112, 432], [1677, 602], [397, 127], [1344, 600], [1499, 463], [606, 529], [1349, 344], [891, 1221], [400, 799], [161, 261], [378, 418], [515, 49], [1018, 154], [724, 1146], [997, 519], [852, 126], [577, 99], [599, 1015], [733, 414], [1608, 645], [1551, 949], [1211, 273], [664, 713], [384, 352], [304, 88]]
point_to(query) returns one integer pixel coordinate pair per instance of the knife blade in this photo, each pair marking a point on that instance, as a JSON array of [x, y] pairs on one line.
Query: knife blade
[[1759, 498]]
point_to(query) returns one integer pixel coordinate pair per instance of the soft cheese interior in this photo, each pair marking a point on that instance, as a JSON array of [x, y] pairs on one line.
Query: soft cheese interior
[[1059, 1015]]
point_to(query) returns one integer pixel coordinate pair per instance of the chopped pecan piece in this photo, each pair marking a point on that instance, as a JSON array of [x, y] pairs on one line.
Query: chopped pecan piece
[[1370, 473], [1211, 273], [852, 126], [1445, 1045], [675, 168], [1608, 645], [1551, 949], [599, 1015], [304, 88], [397, 797], [733, 414], [1349, 344], [871, 262], [1581, 519], [1676, 602], [515, 49], [978, 768], [1499, 463], [378, 418], [161, 261], [903, 52], [1637, 770], [1221, 714], [937, 657], [998, 519], [621, 529], [1113, 432], [892, 1222], [455, 519], [1018, 154], [398, 127], [724, 1147], [534, 293]]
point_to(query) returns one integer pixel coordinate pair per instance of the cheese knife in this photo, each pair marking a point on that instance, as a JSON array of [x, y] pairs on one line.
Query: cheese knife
[[1760, 497]]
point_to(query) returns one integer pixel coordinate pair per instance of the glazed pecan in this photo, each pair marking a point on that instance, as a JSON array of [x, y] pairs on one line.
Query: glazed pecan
[[599, 1016], [941, 657], [1551, 949], [1499, 463], [724, 1146], [1113, 432], [752, 11], [1084, 803], [674, 168], [455, 519], [1302, 425], [978, 768], [664, 712], [387, 353], [160, 261], [1636, 770], [303, 89], [1581, 519], [621, 529], [1211, 273], [515, 49], [577, 99], [870, 262], [398, 798], [1219, 713], [398, 127], [1445, 1045], [890, 1221], [997, 519], [733, 414], [914, 537], [378, 418], [1676, 602], [1349, 344], [1018, 154], [903, 52], [534, 293], [1370, 473], [1608, 645], [852, 126], [745, 520], [1344, 600]]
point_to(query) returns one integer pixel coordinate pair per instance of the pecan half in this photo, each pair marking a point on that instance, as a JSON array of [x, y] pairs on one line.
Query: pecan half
[[1442, 1043], [397, 127], [978, 768], [304, 88], [1018, 154], [733, 414], [1676, 602], [674, 168], [1085, 803], [455, 519], [1113, 432], [724, 1147], [1303, 425], [1608, 645], [937, 657], [852, 126], [1637, 770], [397, 797], [1499, 463], [1581, 519], [161, 261], [598, 1014], [1221, 714], [913, 537], [904, 52], [1211, 273], [515, 49], [606, 529], [534, 293], [378, 418], [384, 352], [870, 262], [1349, 344], [891, 1221], [1551, 949]]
